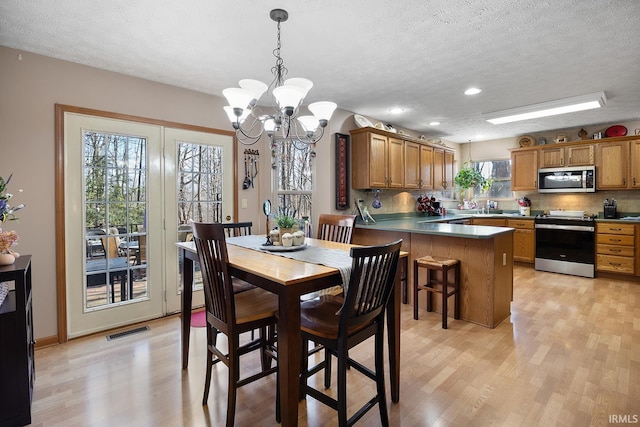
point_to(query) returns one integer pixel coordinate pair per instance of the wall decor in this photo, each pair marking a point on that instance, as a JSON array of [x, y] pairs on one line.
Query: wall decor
[[342, 171]]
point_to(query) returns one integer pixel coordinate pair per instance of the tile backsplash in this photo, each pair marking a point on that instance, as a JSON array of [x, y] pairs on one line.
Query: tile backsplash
[[592, 203]]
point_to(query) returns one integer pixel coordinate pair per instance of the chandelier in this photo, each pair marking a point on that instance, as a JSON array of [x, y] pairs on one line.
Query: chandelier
[[288, 95]]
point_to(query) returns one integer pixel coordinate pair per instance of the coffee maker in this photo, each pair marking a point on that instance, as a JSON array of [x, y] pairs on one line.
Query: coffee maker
[[610, 209]]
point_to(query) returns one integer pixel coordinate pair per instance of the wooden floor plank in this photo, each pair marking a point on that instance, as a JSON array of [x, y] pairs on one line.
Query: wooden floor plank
[[568, 355]]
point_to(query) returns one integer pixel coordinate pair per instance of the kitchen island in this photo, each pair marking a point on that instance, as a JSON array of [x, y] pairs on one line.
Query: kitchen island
[[485, 254]]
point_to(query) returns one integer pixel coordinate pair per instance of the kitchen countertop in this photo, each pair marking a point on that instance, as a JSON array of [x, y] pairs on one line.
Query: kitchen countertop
[[437, 226]]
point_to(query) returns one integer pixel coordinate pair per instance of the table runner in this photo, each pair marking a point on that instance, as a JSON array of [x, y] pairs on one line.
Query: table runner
[[334, 258]]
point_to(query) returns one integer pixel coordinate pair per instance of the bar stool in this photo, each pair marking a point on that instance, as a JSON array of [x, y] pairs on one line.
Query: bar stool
[[443, 287]]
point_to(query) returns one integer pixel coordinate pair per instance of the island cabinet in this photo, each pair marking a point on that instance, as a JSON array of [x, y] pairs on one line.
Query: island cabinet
[[524, 169], [17, 371], [377, 161], [486, 266], [574, 155], [418, 171]]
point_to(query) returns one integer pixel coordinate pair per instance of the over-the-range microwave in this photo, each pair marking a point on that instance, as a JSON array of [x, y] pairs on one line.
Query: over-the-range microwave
[[577, 179]]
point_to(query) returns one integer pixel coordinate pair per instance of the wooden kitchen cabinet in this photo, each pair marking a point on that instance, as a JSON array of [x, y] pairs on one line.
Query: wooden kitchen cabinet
[[377, 161], [442, 169], [615, 247], [524, 240], [17, 368], [382, 159], [418, 170], [634, 172], [524, 169], [426, 167], [612, 165], [493, 222], [575, 155]]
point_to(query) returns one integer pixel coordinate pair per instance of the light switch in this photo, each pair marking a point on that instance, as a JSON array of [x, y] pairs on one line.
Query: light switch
[[244, 203]]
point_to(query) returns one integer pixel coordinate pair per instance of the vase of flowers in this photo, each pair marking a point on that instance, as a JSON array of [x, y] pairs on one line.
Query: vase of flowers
[[7, 213]]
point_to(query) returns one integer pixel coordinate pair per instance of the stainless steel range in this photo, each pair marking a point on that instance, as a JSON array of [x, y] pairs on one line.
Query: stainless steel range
[[565, 244]]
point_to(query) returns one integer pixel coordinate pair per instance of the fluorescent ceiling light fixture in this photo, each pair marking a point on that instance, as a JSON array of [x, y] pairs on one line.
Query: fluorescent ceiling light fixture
[[434, 123], [472, 91], [551, 108], [396, 110]]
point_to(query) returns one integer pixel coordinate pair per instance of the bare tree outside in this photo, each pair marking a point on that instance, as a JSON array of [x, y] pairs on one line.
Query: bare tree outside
[[293, 171], [200, 183]]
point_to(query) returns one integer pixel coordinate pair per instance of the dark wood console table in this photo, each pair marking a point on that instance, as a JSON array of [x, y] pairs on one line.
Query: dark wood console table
[[17, 369]]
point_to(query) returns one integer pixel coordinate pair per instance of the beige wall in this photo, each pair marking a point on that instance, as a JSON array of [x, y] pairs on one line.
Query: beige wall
[[30, 87]]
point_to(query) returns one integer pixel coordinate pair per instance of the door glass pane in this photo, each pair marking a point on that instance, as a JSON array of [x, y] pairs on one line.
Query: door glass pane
[[115, 229], [200, 191], [199, 176]]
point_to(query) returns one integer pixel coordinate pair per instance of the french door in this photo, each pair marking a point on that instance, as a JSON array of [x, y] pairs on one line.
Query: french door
[[130, 189]]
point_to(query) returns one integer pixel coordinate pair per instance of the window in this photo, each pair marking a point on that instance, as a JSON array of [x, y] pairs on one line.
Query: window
[[500, 172], [293, 178]]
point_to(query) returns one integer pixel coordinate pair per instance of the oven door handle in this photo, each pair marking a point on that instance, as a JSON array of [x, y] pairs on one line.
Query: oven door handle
[[565, 227]]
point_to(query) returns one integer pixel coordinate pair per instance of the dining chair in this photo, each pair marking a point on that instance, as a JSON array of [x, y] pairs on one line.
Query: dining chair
[[232, 229], [232, 314], [340, 324], [336, 228], [117, 270]]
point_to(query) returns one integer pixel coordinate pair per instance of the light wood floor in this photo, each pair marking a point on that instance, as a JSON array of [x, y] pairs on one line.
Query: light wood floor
[[568, 356]]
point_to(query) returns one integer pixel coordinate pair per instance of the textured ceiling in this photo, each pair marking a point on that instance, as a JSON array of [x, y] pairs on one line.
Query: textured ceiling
[[367, 56]]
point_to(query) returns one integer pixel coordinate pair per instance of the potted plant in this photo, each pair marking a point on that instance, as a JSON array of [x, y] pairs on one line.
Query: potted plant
[[470, 177], [286, 224]]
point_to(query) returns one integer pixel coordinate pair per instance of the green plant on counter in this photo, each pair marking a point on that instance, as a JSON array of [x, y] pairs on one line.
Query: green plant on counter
[[286, 221]]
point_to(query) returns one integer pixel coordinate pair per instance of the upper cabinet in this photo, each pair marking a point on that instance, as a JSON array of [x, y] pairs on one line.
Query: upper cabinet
[[618, 165], [524, 170], [377, 161], [382, 159], [558, 156], [634, 172], [617, 162], [612, 165], [443, 160]]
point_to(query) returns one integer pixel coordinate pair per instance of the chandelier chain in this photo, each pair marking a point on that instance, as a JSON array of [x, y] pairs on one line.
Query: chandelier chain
[[279, 70]]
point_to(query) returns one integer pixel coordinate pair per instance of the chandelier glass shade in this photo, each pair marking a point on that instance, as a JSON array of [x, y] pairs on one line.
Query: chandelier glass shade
[[288, 95]]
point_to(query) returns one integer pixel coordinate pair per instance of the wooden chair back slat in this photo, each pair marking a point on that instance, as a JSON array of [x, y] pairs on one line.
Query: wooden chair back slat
[[232, 229], [336, 228]]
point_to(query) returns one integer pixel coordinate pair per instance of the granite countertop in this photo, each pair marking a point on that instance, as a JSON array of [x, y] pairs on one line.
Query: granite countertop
[[626, 219], [437, 226]]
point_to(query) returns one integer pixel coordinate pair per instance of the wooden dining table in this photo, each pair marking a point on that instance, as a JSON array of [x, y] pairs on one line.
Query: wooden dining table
[[288, 279]]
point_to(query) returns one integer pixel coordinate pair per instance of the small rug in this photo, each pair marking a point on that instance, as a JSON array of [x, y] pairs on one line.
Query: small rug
[[199, 319]]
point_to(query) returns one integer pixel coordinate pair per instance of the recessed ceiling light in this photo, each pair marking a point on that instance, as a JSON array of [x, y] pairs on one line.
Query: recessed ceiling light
[[472, 91], [434, 123], [396, 110]]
